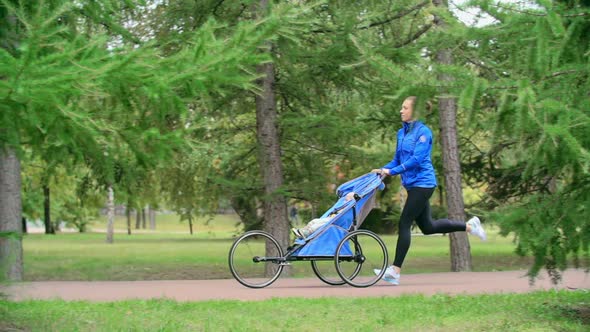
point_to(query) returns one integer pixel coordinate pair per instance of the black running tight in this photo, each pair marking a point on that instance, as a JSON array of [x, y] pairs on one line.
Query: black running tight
[[417, 208]]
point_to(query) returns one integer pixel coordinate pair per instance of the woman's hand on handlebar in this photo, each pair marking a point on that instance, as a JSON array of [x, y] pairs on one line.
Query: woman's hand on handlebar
[[349, 196], [381, 171]]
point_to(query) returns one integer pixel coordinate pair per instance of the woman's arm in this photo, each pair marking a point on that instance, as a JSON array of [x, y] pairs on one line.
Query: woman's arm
[[421, 151], [395, 161]]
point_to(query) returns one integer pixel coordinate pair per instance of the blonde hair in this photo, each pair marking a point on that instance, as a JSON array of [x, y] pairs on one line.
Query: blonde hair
[[413, 99]]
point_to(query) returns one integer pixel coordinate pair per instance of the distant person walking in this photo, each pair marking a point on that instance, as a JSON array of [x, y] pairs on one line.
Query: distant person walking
[[293, 215], [412, 162]]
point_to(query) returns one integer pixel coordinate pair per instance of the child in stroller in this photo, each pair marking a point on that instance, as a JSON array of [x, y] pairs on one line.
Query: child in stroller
[[316, 223]]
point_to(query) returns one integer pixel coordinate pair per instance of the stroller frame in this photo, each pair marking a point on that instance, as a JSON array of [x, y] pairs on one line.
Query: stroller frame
[[348, 248]]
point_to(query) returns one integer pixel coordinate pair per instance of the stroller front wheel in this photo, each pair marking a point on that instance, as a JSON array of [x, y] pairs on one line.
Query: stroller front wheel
[[368, 251]]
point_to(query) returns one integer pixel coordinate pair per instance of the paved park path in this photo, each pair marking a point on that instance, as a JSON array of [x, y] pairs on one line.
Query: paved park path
[[198, 290]]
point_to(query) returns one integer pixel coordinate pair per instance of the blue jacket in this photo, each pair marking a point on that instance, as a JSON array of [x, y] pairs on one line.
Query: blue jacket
[[412, 156]]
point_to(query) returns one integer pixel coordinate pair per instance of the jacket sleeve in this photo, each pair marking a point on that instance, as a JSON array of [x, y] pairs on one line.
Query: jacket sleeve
[[395, 161], [421, 151]]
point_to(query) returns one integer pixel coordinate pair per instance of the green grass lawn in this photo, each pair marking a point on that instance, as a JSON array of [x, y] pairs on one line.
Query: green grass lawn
[[539, 311], [220, 225], [160, 255]]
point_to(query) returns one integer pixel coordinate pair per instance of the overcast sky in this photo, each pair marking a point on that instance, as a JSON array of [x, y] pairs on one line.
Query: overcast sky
[[470, 16], [474, 16]]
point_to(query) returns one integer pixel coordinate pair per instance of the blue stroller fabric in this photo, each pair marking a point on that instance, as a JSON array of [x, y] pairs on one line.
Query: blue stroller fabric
[[323, 241]]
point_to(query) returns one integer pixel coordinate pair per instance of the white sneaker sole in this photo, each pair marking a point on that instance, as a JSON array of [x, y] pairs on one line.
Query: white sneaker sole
[[387, 278]]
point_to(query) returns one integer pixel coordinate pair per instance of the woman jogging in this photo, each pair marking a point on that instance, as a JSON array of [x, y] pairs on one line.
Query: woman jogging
[[412, 162]]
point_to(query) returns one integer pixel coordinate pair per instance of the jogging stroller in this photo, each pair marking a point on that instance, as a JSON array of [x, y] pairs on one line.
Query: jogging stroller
[[339, 251]]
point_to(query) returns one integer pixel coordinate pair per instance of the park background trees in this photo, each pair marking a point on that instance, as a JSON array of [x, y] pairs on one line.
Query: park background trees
[[73, 84], [162, 102]]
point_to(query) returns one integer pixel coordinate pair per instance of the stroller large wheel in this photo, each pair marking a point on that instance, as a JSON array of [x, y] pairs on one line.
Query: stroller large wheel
[[325, 271], [368, 250], [248, 262]]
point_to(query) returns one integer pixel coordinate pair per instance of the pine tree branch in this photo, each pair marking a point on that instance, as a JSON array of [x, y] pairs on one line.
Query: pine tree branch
[[286, 101], [527, 12], [397, 16], [415, 36], [412, 25], [124, 33], [559, 73], [241, 158], [301, 198], [284, 89], [380, 120], [316, 148], [216, 7], [242, 10], [538, 14], [478, 64], [576, 15], [546, 77], [470, 141]]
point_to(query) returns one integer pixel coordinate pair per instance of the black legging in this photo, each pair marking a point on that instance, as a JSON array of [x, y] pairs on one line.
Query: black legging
[[417, 208]]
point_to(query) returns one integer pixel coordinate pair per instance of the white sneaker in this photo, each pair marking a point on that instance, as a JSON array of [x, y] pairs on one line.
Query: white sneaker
[[300, 233], [297, 233], [476, 228], [389, 276]]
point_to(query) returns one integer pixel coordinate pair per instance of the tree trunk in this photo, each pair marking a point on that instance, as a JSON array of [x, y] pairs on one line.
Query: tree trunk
[[137, 219], [276, 221], [47, 210], [25, 231], [459, 243], [11, 249], [190, 223], [110, 213], [143, 217], [441, 202], [152, 216], [128, 215]]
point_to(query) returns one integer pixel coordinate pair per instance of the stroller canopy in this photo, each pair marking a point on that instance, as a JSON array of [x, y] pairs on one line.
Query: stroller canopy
[[323, 242]]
